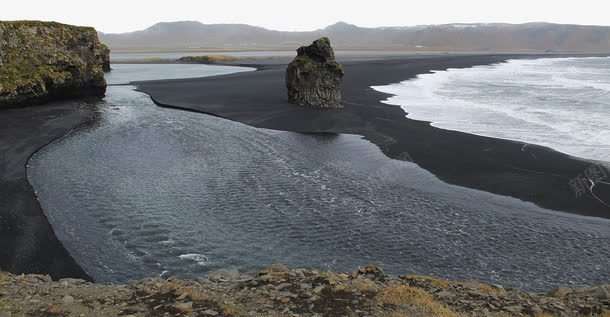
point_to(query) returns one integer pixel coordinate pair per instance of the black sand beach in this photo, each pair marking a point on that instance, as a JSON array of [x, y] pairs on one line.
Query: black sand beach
[[27, 241], [528, 172], [531, 173]]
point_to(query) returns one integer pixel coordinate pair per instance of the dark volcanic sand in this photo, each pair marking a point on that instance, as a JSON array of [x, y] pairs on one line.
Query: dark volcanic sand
[[28, 244], [27, 241], [533, 173]]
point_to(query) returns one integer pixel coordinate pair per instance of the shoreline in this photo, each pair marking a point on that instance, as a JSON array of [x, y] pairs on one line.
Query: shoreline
[[510, 168], [366, 157], [448, 122], [28, 243], [43, 253]]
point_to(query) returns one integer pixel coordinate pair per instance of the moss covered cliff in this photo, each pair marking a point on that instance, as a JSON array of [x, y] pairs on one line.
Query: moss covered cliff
[[42, 61]]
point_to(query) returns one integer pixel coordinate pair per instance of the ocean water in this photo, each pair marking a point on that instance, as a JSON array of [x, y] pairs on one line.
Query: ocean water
[[155, 191], [561, 103]]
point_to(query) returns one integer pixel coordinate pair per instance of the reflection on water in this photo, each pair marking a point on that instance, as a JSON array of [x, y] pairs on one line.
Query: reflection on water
[[126, 73], [160, 191]]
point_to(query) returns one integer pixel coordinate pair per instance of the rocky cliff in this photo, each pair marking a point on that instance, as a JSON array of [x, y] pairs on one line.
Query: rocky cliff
[[314, 76], [42, 61]]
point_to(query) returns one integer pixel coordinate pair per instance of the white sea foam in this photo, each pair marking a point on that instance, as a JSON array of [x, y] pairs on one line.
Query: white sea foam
[[560, 103], [199, 258]]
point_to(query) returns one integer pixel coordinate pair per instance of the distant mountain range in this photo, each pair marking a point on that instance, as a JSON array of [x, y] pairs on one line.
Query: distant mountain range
[[529, 37]]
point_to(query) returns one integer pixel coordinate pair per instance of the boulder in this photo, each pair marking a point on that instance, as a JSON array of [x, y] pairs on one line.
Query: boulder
[[44, 61], [223, 275], [601, 292], [183, 308], [515, 309], [560, 292], [314, 77], [371, 272]]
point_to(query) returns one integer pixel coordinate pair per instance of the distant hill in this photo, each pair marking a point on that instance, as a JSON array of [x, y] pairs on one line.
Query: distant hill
[[531, 37]]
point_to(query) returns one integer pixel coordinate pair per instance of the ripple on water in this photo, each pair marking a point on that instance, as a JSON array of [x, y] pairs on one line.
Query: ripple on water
[[160, 191]]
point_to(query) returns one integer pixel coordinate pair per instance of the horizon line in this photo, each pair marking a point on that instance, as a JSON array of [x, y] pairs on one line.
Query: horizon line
[[362, 27]]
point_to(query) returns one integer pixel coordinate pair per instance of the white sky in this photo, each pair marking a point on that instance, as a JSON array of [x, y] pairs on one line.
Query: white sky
[[114, 16]]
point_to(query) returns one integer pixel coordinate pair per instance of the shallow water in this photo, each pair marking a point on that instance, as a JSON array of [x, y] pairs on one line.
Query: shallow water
[[126, 73], [562, 103], [155, 191]]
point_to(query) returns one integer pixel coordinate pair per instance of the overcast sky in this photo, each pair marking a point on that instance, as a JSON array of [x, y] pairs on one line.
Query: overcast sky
[[114, 16]]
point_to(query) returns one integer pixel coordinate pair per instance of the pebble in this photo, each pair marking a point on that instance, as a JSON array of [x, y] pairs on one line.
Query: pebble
[[67, 300], [278, 268], [318, 289], [514, 308], [445, 295], [73, 281], [312, 299], [282, 286], [560, 291], [184, 307], [265, 278], [223, 275], [600, 292], [497, 286]]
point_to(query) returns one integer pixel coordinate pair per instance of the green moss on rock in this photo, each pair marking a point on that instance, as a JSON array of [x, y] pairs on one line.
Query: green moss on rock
[[35, 23], [40, 61], [208, 59]]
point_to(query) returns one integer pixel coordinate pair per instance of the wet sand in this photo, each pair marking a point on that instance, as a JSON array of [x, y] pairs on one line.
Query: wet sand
[[27, 241]]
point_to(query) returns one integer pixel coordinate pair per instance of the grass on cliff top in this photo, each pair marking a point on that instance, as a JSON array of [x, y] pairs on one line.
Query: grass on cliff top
[[441, 283], [36, 23], [435, 281], [420, 302]]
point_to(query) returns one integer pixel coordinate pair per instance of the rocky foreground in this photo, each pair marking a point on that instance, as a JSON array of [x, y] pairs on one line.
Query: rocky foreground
[[279, 291]]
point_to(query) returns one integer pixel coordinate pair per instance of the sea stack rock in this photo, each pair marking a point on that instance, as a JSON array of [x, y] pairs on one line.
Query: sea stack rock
[[44, 61], [314, 76]]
